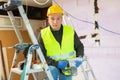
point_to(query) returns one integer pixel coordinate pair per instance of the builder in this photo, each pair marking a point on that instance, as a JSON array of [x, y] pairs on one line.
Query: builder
[[58, 43]]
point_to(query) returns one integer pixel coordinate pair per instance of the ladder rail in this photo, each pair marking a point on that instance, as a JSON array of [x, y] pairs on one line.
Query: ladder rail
[[13, 64], [86, 67], [27, 66], [12, 19], [91, 71], [84, 73]]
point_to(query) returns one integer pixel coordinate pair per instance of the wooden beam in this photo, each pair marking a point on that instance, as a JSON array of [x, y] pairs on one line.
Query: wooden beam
[[3, 62]]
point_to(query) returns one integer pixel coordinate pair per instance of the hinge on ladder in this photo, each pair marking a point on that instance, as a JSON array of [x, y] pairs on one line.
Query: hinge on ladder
[[11, 5]]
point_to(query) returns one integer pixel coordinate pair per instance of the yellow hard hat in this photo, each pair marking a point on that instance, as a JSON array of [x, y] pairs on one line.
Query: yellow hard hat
[[54, 9]]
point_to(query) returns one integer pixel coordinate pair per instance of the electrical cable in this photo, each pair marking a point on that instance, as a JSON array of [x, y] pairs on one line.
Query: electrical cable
[[105, 29]]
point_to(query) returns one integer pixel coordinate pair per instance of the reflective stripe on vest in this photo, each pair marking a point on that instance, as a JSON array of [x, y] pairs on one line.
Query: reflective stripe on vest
[[53, 47], [63, 56]]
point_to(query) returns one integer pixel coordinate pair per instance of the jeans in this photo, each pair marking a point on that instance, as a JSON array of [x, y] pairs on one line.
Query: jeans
[[57, 75]]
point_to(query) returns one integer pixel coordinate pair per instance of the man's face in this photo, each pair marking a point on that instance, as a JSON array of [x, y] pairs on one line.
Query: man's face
[[55, 21]]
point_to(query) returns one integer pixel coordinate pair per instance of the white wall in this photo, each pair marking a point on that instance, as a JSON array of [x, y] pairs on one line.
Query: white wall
[[105, 58]]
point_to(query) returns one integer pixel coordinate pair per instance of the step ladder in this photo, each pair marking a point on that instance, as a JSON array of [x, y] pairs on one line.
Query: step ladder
[[17, 4], [27, 66], [24, 72], [86, 68]]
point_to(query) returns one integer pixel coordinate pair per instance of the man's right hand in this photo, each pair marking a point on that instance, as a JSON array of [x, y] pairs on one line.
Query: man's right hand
[[62, 64]]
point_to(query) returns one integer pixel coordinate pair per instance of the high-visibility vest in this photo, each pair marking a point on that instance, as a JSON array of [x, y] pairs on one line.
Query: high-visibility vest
[[53, 48]]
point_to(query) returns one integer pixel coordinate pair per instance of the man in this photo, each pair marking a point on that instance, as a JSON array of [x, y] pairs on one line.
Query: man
[[58, 43]]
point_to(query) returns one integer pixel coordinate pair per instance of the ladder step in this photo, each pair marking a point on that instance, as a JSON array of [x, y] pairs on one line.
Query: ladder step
[[35, 71], [18, 71], [88, 69]]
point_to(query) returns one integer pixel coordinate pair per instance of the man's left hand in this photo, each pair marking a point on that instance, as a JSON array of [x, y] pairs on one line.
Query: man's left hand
[[78, 63]]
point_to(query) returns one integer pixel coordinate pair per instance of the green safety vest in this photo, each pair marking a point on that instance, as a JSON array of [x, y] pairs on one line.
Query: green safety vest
[[53, 48]]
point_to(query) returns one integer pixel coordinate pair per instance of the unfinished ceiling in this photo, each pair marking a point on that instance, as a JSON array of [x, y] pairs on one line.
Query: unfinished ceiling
[[35, 3], [35, 9]]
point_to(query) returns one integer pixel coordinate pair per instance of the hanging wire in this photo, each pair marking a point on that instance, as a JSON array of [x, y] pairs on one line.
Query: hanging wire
[[41, 3], [105, 29]]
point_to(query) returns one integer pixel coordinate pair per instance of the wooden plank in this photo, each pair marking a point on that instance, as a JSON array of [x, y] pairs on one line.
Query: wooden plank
[[1, 69], [3, 62], [6, 61]]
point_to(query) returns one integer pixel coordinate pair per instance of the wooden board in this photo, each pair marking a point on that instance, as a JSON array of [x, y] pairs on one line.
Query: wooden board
[[6, 61], [3, 70]]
